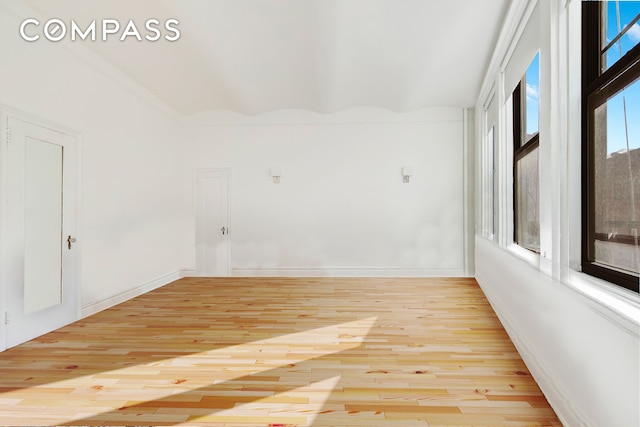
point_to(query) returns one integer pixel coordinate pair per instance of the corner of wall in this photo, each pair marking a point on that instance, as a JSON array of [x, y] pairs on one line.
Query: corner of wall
[[143, 288]]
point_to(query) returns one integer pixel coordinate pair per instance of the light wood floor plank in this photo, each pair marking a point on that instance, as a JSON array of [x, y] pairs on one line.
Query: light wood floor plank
[[279, 352]]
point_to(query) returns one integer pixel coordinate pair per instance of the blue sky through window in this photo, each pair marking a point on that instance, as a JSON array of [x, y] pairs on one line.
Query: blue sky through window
[[532, 107], [628, 10], [616, 132], [619, 16]]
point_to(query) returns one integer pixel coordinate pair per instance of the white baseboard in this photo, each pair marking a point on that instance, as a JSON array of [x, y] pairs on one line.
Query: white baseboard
[[188, 272], [145, 287], [346, 272], [559, 400]]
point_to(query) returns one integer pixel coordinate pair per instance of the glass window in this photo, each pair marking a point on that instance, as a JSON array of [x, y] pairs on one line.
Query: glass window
[[532, 102], [526, 201], [617, 180], [620, 30], [611, 141], [493, 181], [526, 112], [489, 178]]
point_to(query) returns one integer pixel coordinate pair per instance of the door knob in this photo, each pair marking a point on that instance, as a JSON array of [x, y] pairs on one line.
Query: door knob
[[70, 240], [223, 230]]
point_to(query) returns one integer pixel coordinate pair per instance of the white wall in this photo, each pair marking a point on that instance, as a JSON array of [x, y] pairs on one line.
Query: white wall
[[584, 356], [579, 336], [341, 207], [131, 224]]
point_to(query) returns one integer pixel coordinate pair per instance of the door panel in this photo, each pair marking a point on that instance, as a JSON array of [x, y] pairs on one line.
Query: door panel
[[212, 229], [42, 225], [38, 268]]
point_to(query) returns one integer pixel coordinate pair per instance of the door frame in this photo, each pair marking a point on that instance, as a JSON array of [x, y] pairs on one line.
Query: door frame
[[199, 173], [6, 113]]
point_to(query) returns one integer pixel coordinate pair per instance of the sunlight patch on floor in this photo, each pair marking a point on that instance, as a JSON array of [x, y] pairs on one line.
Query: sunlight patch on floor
[[279, 409], [227, 364]]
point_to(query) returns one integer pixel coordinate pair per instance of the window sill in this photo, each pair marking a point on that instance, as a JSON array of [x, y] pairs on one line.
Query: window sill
[[609, 299], [486, 235], [531, 257], [612, 302]]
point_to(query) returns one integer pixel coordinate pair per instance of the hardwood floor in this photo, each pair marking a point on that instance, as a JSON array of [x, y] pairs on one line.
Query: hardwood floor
[[279, 352]]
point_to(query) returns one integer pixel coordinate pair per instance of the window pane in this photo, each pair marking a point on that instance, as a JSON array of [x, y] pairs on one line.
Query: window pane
[[527, 212], [490, 185], [532, 102], [617, 15], [494, 179], [617, 180]]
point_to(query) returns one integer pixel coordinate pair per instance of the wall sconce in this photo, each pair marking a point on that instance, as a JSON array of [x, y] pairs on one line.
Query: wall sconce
[[406, 173], [275, 175]]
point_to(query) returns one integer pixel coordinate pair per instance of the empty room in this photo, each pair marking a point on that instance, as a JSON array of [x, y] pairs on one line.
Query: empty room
[[394, 213]]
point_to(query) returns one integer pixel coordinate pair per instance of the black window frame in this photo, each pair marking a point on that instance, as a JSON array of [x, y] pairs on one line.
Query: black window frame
[[597, 87], [521, 148]]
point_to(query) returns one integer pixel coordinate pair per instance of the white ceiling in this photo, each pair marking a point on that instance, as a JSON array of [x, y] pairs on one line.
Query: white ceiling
[[256, 56]]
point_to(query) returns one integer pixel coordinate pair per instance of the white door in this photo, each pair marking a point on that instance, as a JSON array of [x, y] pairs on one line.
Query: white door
[[212, 223], [39, 253]]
